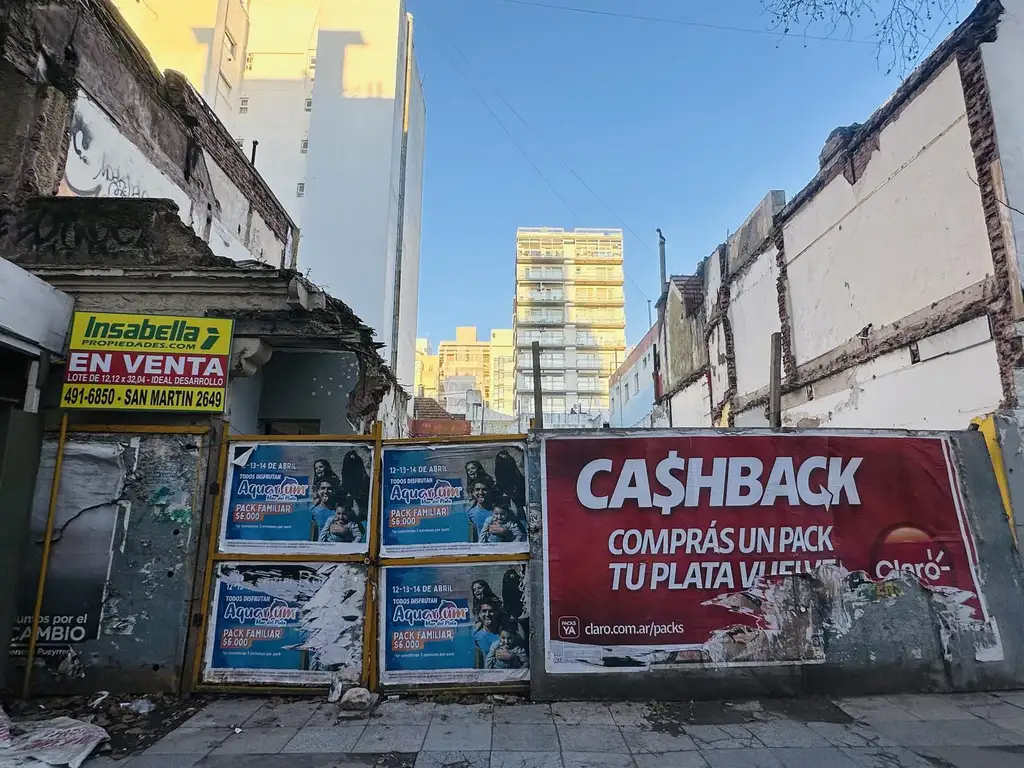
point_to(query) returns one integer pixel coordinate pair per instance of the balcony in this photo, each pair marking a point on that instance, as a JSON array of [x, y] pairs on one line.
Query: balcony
[[582, 278], [600, 301], [587, 340], [553, 340], [600, 257], [542, 275], [598, 366], [547, 361], [602, 321], [527, 256], [540, 319], [541, 297]]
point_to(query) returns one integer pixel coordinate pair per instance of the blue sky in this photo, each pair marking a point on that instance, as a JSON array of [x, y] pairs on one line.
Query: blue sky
[[683, 128]]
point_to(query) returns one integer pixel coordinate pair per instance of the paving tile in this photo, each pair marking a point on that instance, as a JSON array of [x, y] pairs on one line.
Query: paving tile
[[319, 739], [1013, 697], [630, 714], [581, 713], [530, 713], [671, 760], [785, 733], [813, 757], [427, 759], [874, 708], [933, 707], [591, 738], [726, 736], [327, 715], [1013, 729], [158, 761], [648, 742], [256, 741], [974, 757], [189, 741], [942, 733], [286, 714], [979, 699], [403, 713], [851, 735], [225, 713], [524, 737], [740, 758], [458, 736], [601, 760], [1000, 710], [463, 713], [330, 760], [526, 760], [887, 757], [391, 738]]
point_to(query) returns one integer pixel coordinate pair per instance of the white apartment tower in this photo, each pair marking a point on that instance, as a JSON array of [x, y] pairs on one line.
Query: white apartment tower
[[569, 297], [330, 92]]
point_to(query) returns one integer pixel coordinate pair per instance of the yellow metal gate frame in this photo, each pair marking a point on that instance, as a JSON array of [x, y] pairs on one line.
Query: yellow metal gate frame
[[370, 673]]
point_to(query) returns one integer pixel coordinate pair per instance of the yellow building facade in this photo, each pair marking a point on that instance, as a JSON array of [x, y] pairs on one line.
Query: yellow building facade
[[426, 371]]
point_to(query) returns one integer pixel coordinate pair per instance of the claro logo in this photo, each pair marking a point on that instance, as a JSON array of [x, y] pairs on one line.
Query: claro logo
[[909, 549], [99, 333]]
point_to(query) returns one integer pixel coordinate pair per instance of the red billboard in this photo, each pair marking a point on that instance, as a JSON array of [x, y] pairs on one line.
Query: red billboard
[[723, 549]]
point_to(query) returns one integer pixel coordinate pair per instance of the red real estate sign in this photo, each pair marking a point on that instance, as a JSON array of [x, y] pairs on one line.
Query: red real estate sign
[[669, 542]]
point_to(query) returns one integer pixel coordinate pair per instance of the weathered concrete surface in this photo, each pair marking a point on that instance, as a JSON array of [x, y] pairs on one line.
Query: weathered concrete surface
[[897, 642], [954, 731]]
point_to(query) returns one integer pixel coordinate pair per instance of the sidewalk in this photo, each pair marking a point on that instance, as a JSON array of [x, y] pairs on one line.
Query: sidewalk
[[959, 730]]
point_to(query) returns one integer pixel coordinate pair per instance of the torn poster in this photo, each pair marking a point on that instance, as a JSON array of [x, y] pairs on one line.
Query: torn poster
[[455, 623], [90, 515], [57, 741], [289, 498], [286, 623], [742, 549]]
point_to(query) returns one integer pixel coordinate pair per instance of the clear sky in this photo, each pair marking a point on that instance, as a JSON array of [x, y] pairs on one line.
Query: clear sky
[[680, 127]]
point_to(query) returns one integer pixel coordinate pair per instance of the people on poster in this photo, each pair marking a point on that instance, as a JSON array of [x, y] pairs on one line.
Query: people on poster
[[344, 526], [355, 481], [509, 652], [488, 618], [443, 498], [501, 526]]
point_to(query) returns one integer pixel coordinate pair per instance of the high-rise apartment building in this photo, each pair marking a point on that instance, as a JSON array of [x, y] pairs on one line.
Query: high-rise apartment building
[[462, 365], [569, 297], [426, 371], [503, 372], [327, 95]]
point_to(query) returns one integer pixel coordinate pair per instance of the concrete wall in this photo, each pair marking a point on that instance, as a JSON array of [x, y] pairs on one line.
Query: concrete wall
[[894, 642], [308, 386], [691, 406], [913, 219], [754, 314], [1004, 61]]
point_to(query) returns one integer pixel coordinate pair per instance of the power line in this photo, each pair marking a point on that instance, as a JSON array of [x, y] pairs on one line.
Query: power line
[[519, 146], [682, 23], [558, 157]]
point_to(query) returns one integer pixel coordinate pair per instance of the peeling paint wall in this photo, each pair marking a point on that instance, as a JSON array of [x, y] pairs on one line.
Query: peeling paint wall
[[122, 563], [913, 219]]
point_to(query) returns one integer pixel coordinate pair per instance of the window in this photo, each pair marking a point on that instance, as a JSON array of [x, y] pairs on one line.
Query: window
[[240, 142], [300, 189], [645, 361], [293, 427], [225, 83], [626, 398], [243, 105], [636, 382], [309, 103], [312, 62], [229, 43], [304, 146]]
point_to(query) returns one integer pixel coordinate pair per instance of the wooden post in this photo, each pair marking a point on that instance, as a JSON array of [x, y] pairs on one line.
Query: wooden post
[[775, 384]]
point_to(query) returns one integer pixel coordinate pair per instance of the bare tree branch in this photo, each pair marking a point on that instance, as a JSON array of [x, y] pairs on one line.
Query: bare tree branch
[[904, 29]]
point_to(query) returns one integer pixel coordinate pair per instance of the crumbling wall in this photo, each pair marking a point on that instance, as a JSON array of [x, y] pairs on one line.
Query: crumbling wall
[[893, 275]]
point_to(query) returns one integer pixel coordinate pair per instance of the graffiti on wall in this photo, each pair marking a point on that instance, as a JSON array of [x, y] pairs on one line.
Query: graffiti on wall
[[103, 163]]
